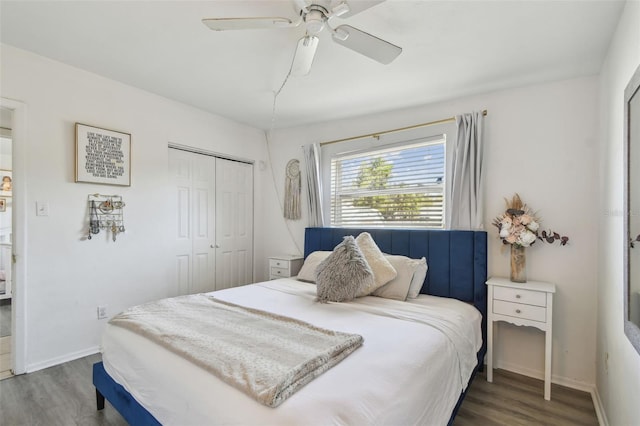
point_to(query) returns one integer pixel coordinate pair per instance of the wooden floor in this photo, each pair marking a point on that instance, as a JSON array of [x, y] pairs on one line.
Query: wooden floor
[[5, 357], [513, 400], [5, 338], [63, 395]]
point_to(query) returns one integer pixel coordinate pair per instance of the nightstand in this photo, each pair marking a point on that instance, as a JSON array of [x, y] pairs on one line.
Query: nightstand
[[524, 304], [284, 266]]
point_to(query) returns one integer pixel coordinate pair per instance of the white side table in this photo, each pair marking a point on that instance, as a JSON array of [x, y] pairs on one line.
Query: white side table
[[284, 266], [524, 304]]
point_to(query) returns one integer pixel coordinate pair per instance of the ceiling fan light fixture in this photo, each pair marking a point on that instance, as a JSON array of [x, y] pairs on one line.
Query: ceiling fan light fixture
[[315, 21], [303, 56]]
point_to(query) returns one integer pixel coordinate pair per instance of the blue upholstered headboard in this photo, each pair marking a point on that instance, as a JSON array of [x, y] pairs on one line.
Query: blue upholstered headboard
[[457, 260]]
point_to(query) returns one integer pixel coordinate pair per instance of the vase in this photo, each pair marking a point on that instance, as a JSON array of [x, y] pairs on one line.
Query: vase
[[518, 264]]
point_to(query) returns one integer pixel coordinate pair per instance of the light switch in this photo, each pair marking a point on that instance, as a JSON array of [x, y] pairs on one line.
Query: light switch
[[42, 208]]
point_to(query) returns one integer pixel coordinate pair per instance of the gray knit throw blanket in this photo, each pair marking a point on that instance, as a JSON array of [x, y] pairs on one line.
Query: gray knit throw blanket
[[267, 356]]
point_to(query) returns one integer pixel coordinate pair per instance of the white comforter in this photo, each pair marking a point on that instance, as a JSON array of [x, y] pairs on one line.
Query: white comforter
[[416, 359]]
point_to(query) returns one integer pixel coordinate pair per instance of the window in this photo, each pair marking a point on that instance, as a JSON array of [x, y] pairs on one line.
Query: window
[[395, 186]]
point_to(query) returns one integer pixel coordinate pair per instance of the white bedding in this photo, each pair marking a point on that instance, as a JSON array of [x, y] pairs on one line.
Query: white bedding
[[407, 372]]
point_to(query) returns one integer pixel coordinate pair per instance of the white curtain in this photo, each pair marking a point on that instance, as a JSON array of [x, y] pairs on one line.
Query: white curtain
[[314, 184], [466, 190]]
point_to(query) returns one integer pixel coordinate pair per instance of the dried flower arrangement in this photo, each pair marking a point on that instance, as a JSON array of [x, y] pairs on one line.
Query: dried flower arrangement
[[519, 226]]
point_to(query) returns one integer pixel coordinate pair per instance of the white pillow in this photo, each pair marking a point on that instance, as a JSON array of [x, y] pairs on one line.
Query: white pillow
[[418, 279], [308, 270], [398, 287], [383, 271]]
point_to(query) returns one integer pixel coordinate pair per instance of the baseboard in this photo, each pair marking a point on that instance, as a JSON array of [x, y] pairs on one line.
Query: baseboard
[[62, 359], [597, 403], [536, 374]]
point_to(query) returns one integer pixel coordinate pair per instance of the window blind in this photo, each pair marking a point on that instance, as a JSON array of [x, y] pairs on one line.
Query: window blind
[[399, 186]]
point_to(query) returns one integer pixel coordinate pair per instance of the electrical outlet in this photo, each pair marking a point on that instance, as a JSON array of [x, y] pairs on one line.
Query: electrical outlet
[[102, 312]]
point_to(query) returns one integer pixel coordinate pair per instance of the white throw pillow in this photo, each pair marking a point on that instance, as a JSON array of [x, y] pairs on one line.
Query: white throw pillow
[[418, 279], [308, 270], [398, 288], [383, 271]]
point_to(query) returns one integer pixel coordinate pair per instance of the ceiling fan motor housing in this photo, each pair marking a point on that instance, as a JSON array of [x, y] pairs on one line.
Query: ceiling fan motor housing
[[315, 18]]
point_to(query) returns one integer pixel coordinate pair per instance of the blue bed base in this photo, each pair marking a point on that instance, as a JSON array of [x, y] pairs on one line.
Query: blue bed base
[[107, 388], [457, 268]]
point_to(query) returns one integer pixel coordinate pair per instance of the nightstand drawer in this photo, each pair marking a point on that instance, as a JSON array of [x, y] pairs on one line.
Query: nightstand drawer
[[280, 272], [278, 263], [516, 295], [519, 310], [284, 266]]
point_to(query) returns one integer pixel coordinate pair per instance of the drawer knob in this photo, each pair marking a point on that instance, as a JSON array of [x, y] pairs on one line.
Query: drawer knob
[[518, 296], [518, 311]]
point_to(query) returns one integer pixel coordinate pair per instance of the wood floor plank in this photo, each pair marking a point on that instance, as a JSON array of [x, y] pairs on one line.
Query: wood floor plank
[[5, 345], [61, 395], [5, 362], [513, 399], [64, 395]]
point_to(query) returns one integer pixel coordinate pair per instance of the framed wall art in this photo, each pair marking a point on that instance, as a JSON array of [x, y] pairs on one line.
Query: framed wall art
[[102, 156], [6, 183]]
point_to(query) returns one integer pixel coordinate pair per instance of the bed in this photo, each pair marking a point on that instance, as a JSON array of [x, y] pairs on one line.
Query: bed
[[149, 385]]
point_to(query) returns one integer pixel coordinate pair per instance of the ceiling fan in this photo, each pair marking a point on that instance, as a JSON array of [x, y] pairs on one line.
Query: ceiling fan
[[317, 15]]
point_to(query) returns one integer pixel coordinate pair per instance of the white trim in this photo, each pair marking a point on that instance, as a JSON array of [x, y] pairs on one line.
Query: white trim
[[536, 374], [597, 403], [62, 359], [20, 285]]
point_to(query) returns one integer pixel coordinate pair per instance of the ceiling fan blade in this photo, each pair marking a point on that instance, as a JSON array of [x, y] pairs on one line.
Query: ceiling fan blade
[[366, 44], [225, 24], [357, 6], [303, 58]]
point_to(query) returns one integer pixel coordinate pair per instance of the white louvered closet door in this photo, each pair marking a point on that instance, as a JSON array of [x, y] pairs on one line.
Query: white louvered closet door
[[193, 178], [234, 223]]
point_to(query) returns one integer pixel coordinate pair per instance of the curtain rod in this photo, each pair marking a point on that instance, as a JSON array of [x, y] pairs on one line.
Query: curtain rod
[[384, 132]]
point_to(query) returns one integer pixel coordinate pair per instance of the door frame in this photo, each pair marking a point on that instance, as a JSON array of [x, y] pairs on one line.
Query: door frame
[[209, 153], [19, 232]]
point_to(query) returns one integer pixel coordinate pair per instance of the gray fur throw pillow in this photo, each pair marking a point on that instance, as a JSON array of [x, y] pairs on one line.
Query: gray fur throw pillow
[[342, 275]]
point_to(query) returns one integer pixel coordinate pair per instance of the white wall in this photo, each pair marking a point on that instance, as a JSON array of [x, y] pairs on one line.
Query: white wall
[[541, 143], [618, 364], [68, 276]]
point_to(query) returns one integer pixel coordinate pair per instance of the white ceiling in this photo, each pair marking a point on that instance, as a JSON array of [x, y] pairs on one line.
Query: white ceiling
[[450, 49]]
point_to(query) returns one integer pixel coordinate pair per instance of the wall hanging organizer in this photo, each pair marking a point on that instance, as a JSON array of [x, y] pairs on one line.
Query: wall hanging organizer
[[105, 212]]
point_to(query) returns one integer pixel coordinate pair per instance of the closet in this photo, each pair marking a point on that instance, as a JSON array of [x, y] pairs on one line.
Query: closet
[[213, 221]]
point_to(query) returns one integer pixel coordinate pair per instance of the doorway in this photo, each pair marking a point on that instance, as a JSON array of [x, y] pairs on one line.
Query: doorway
[[6, 233], [213, 217]]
